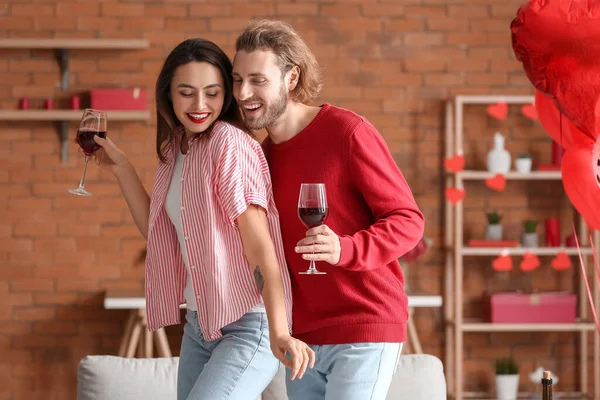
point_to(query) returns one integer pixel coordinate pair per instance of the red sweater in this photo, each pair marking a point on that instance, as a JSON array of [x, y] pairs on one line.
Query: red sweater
[[371, 208]]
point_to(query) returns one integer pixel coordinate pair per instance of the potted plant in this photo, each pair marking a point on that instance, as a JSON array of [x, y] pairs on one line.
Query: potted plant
[[494, 229], [507, 379], [530, 236], [523, 163]]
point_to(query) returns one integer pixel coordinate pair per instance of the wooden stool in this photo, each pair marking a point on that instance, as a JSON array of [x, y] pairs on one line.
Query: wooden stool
[[133, 340]]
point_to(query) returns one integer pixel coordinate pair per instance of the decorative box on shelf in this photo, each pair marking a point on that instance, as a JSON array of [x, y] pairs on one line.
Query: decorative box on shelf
[[118, 99], [522, 308]]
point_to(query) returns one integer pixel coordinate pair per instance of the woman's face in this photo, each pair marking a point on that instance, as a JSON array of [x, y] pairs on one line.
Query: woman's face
[[197, 96]]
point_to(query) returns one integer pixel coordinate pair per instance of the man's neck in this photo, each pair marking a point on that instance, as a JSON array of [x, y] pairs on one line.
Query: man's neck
[[296, 117]]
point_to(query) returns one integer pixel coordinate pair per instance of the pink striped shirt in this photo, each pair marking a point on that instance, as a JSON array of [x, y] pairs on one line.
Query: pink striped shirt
[[220, 177]]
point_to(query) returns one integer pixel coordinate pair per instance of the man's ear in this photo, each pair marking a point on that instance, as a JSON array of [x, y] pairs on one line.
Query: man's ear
[[294, 77]]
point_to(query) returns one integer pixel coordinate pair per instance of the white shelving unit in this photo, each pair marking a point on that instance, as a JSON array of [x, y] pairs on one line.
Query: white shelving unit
[[456, 324]]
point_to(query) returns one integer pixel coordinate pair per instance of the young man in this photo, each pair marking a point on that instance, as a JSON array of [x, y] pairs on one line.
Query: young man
[[354, 317]]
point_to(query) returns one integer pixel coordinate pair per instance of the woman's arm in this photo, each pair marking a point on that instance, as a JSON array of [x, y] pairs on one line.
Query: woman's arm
[[136, 196], [260, 253], [112, 159]]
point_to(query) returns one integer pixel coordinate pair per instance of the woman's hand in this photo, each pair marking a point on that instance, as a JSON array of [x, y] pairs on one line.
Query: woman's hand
[[110, 157], [301, 355]]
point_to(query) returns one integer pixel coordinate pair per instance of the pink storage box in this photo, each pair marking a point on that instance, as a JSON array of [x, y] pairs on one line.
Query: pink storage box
[[531, 308], [118, 99]]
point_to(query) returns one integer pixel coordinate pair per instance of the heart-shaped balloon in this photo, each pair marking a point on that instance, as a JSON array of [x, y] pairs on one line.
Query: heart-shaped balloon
[[558, 42], [558, 126], [581, 180]]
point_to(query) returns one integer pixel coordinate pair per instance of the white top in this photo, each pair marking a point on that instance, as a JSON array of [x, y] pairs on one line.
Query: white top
[[173, 208]]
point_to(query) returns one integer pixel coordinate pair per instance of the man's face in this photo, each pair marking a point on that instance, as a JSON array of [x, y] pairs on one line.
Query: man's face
[[259, 88]]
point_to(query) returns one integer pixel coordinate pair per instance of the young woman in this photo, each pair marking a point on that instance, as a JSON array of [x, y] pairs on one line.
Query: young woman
[[213, 234]]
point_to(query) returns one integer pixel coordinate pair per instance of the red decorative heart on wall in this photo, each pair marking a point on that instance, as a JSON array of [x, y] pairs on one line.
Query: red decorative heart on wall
[[498, 110], [497, 183], [530, 262], [561, 262], [502, 263], [455, 164], [454, 195], [529, 111]]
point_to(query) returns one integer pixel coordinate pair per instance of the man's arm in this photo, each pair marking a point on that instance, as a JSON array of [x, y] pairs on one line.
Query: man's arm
[[399, 224]]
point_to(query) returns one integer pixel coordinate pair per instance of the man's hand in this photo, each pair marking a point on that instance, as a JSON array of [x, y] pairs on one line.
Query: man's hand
[[301, 355], [321, 241]]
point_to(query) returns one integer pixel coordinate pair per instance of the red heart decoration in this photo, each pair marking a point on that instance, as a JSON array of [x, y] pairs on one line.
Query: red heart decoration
[[498, 182], [529, 111], [530, 262], [454, 195], [502, 263], [455, 164], [561, 261], [498, 110]]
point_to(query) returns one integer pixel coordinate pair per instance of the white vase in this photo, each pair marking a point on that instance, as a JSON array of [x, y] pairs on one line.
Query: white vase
[[523, 165], [507, 387], [493, 232], [529, 239], [498, 159]]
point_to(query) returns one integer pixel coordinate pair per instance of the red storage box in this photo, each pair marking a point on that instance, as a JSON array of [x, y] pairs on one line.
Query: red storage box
[[118, 99], [531, 308]]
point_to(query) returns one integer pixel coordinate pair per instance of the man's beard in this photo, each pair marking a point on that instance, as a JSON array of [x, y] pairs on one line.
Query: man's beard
[[271, 113]]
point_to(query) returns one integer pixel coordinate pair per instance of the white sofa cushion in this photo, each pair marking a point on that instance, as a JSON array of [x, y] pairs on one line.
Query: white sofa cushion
[[418, 377]]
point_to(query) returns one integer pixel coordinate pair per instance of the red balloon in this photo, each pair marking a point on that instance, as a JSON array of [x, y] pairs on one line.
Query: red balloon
[[581, 177], [558, 42], [558, 126]]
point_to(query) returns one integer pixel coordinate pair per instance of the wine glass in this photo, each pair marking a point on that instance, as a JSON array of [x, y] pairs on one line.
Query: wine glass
[[93, 122], [312, 210]]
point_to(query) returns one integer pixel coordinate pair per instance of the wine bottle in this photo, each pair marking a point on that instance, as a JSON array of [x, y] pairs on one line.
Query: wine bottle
[[547, 386]]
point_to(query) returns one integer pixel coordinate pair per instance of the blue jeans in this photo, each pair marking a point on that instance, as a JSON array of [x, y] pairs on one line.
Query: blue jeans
[[239, 365], [355, 371]]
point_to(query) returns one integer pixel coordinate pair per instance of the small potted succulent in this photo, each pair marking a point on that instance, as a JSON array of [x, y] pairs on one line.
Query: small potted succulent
[[530, 236], [494, 229], [507, 379], [523, 163]]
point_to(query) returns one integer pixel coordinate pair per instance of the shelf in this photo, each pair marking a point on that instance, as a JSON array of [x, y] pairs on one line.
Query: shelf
[[475, 326], [494, 98], [525, 395], [92, 44], [533, 175], [519, 251], [63, 45], [70, 115]]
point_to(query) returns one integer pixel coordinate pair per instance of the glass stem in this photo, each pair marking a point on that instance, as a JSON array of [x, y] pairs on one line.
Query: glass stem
[[87, 160], [312, 265]]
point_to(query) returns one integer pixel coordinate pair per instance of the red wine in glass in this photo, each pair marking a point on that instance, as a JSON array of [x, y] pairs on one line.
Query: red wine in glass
[[85, 140], [312, 216], [93, 122], [312, 211]]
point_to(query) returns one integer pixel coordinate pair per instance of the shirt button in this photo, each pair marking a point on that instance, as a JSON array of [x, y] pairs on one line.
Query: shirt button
[[182, 208], [186, 238], [193, 267], [182, 179]]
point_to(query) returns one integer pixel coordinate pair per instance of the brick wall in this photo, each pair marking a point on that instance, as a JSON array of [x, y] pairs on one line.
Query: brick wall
[[395, 62]]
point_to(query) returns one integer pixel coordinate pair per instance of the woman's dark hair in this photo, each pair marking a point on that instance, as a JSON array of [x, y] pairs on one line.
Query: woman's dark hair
[[191, 50]]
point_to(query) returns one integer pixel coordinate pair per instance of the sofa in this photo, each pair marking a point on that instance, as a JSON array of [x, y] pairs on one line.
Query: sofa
[[418, 377]]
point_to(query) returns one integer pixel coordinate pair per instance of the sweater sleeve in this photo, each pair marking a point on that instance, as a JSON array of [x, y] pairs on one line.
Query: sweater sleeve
[[399, 224]]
